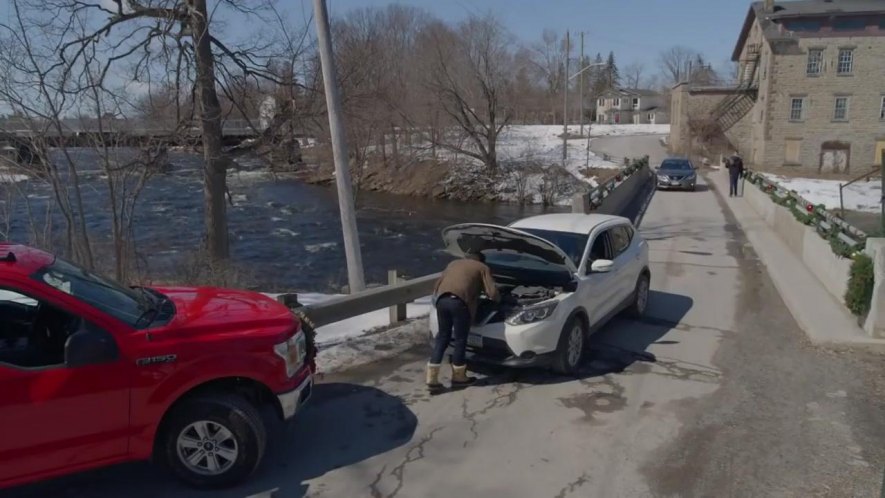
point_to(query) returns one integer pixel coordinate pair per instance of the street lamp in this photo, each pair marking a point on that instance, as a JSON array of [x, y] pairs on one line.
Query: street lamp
[[565, 106]]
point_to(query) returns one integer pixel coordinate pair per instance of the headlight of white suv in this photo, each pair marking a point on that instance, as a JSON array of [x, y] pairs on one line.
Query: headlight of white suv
[[292, 351], [532, 314]]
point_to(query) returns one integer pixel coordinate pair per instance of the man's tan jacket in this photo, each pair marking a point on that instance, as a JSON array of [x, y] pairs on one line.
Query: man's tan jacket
[[466, 278]]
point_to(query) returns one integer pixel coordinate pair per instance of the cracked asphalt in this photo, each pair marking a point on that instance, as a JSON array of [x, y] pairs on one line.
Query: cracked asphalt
[[716, 393]]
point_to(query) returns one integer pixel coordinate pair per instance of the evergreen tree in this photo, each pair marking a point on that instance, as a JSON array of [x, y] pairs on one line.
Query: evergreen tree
[[612, 74]]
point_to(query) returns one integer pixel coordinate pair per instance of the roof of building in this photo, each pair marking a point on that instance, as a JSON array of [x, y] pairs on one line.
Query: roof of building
[[567, 222], [632, 91], [800, 8]]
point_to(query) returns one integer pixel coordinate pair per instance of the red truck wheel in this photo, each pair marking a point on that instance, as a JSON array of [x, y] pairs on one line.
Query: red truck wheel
[[214, 441]]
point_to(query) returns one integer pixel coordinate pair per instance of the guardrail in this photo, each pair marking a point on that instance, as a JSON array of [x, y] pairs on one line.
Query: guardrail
[[845, 239], [395, 296]]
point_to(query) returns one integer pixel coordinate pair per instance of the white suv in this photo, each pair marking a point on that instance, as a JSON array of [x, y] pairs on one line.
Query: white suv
[[561, 277]]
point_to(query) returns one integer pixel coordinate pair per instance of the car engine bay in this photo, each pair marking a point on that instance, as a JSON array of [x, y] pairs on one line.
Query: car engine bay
[[513, 297]]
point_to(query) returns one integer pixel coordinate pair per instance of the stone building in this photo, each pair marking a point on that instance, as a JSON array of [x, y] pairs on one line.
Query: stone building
[[630, 106], [811, 89]]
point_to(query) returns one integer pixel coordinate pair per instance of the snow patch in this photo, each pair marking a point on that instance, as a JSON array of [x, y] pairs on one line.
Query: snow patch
[[12, 177], [860, 196]]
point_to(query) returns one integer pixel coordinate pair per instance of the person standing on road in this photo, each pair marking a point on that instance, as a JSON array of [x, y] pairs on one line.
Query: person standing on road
[[735, 167], [457, 296]]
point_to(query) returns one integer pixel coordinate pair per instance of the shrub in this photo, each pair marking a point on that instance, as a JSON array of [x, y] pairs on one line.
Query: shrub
[[859, 295]]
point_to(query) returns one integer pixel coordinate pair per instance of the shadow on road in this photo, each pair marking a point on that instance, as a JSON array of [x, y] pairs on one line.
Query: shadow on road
[[700, 187], [343, 425], [618, 345]]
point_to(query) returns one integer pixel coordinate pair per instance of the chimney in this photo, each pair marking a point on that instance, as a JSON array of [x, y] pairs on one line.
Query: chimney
[[768, 6]]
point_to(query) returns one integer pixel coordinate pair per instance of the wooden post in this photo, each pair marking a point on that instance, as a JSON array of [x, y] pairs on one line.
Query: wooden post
[[397, 311]]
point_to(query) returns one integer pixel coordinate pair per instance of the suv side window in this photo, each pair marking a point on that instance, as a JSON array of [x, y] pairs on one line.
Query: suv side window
[[32, 333], [620, 239], [600, 249]]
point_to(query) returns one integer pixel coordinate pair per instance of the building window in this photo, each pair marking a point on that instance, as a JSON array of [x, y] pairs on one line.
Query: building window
[[601, 102], [815, 62], [636, 104], [850, 24], [792, 148], [882, 109], [840, 109], [616, 102], [797, 109], [846, 61]]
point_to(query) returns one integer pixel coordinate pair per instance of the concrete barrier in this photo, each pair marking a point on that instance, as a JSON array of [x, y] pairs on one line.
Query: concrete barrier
[[830, 270], [621, 197], [618, 200], [875, 323]]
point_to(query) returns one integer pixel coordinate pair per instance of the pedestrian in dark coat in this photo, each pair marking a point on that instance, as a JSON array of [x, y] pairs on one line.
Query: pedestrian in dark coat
[[735, 167]]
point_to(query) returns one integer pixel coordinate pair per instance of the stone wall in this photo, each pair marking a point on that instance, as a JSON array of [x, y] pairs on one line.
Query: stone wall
[[864, 87]]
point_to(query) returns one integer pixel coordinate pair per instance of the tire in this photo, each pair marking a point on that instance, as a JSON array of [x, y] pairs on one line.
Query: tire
[[640, 296], [225, 422], [571, 347]]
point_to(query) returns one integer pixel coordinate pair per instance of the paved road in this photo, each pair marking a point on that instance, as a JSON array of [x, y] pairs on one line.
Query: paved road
[[736, 404]]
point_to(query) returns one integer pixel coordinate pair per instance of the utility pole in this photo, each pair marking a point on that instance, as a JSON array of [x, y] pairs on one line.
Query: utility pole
[[568, 52], [581, 83], [355, 276]]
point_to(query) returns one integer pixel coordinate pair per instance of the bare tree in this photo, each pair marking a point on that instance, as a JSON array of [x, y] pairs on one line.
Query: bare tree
[[172, 38], [674, 63], [470, 73], [633, 75]]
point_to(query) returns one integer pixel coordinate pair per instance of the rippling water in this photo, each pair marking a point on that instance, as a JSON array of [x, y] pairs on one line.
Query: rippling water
[[284, 232]]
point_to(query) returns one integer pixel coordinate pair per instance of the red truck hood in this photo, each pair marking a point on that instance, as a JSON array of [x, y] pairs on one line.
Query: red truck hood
[[226, 310]]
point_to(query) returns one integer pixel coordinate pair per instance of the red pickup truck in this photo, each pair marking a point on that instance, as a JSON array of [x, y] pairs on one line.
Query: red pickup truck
[[93, 373]]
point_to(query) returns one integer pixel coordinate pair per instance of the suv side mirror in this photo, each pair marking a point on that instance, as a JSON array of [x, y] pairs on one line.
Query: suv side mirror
[[89, 346], [602, 266]]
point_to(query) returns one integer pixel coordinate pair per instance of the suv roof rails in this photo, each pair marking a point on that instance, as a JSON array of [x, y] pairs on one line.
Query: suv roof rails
[[9, 258]]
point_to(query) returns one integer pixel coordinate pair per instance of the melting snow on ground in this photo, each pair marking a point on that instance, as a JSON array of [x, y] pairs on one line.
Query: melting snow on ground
[[860, 196]]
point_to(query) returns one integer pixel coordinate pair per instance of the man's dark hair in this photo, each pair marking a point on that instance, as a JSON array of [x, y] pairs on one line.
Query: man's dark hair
[[476, 256]]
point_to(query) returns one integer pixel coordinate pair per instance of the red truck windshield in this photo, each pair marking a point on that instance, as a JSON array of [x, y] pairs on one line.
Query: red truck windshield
[[106, 295]]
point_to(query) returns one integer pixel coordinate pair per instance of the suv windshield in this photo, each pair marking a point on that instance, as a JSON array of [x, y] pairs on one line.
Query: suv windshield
[[106, 295], [572, 244], [677, 165]]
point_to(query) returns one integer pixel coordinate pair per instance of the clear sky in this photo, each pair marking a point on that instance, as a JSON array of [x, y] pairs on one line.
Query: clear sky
[[637, 30]]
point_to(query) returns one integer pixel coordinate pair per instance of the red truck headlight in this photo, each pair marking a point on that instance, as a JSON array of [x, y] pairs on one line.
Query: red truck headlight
[[292, 351]]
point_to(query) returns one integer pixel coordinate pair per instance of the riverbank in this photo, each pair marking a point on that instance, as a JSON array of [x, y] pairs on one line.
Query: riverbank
[[531, 169]]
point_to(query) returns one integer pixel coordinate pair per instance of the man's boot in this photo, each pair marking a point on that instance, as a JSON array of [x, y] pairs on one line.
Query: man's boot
[[460, 377], [433, 383]]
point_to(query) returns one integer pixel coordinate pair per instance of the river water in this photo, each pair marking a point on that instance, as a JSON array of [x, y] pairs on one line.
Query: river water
[[285, 235]]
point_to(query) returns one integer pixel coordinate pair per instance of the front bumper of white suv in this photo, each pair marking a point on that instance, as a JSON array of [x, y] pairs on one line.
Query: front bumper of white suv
[[519, 346]]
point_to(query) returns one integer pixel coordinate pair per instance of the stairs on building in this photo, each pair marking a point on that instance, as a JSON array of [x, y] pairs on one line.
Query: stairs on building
[[734, 107]]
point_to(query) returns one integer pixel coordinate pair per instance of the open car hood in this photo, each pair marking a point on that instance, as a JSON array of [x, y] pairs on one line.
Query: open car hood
[[479, 237]]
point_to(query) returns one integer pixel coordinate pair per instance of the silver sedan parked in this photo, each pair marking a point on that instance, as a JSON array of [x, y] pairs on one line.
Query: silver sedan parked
[[676, 173]]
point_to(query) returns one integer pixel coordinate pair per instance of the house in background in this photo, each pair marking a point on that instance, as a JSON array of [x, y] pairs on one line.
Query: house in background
[[630, 106], [811, 89]]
